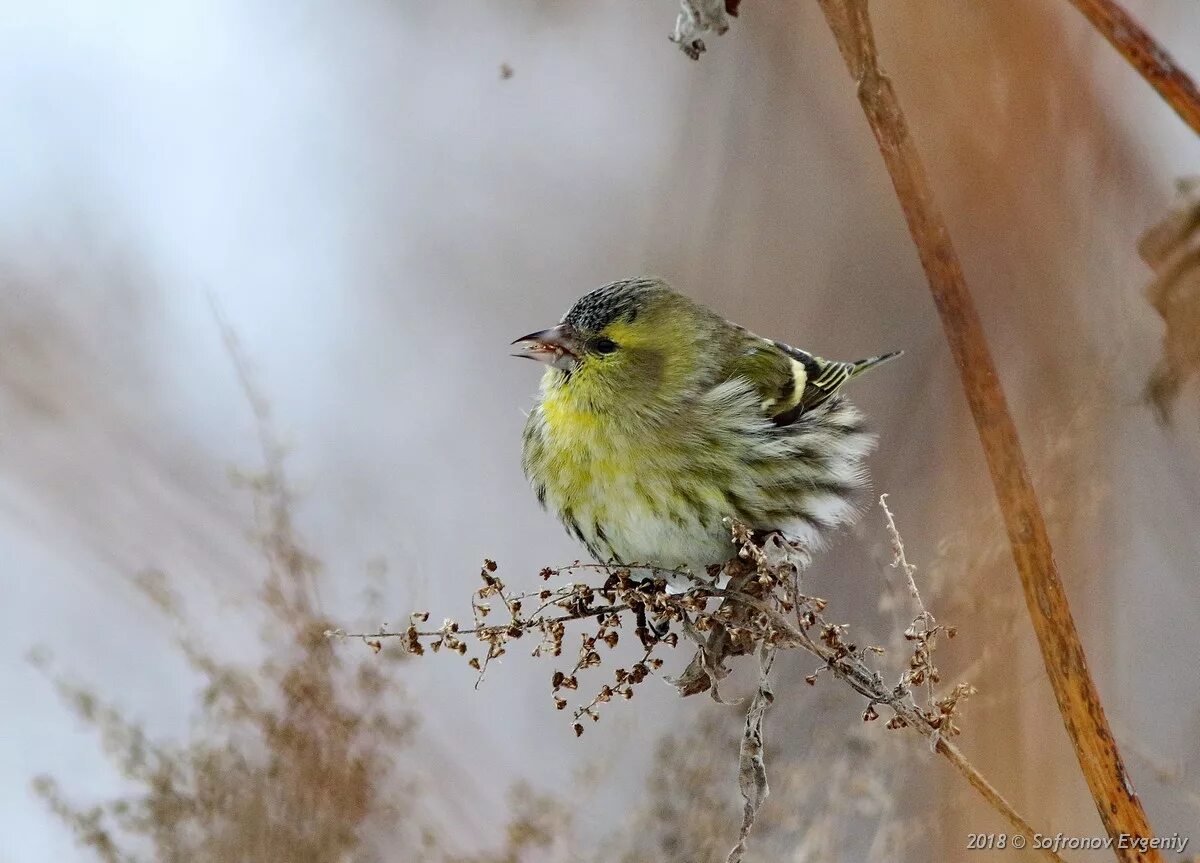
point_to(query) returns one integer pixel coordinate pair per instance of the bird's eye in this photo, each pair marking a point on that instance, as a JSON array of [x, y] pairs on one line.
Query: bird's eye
[[604, 346]]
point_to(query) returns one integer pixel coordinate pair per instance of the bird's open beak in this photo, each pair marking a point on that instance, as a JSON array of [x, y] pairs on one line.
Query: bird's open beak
[[559, 347]]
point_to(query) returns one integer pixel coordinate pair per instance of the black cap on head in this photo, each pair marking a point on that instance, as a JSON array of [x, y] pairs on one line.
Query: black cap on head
[[619, 300]]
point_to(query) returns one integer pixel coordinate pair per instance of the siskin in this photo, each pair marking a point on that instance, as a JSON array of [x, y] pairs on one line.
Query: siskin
[[658, 419]]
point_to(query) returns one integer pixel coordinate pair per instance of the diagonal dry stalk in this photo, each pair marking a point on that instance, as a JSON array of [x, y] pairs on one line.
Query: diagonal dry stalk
[[760, 610], [1066, 666], [865, 681], [1145, 54]]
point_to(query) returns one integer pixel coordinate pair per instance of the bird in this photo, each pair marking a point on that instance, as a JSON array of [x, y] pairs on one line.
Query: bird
[[658, 421]]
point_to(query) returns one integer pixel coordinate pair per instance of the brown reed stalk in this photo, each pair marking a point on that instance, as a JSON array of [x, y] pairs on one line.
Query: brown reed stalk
[[1066, 666], [1145, 55]]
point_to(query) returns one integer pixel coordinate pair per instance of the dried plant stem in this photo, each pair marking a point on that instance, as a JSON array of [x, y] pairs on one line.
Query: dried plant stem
[[954, 755], [862, 679], [900, 560], [1152, 62], [1066, 666], [759, 609], [603, 611]]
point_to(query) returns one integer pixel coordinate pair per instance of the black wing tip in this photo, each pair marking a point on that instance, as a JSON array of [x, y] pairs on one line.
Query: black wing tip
[[871, 362]]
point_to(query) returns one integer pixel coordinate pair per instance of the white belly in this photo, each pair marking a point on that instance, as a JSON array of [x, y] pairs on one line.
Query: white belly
[[646, 535]]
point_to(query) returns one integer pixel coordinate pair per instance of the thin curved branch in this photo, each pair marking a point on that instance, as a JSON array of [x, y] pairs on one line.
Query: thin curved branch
[[1152, 62], [1066, 666], [866, 683]]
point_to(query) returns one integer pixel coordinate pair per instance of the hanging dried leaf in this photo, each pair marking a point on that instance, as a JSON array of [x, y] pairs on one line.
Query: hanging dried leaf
[[752, 767], [707, 667], [1172, 249], [697, 17]]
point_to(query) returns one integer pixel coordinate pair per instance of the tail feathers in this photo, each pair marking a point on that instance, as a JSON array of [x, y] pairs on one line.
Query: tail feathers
[[828, 376], [859, 366]]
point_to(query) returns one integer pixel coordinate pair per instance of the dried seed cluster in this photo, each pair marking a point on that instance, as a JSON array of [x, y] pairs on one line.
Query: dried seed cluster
[[753, 603], [751, 606]]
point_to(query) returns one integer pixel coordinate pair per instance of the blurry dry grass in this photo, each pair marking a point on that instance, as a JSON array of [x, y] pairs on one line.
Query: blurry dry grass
[[288, 758], [536, 822], [839, 794], [1065, 455], [296, 758], [690, 800]]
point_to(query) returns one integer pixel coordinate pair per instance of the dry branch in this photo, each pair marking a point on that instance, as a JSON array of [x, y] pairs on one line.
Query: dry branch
[[1066, 666], [1145, 54], [760, 610], [863, 680]]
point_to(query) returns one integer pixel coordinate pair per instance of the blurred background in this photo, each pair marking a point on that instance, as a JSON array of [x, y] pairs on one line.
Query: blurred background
[[376, 197]]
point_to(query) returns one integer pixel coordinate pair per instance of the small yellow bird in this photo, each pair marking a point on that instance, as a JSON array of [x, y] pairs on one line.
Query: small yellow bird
[[658, 419]]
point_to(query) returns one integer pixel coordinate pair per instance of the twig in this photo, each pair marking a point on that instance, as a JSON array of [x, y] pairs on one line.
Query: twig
[[1066, 666], [850, 669], [1145, 55], [752, 613], [752, 767], [900, 561], [475, 630], [924, 629]]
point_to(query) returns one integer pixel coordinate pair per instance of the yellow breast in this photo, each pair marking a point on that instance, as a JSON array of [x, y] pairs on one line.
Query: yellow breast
[[625, 493], [583, 451]]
